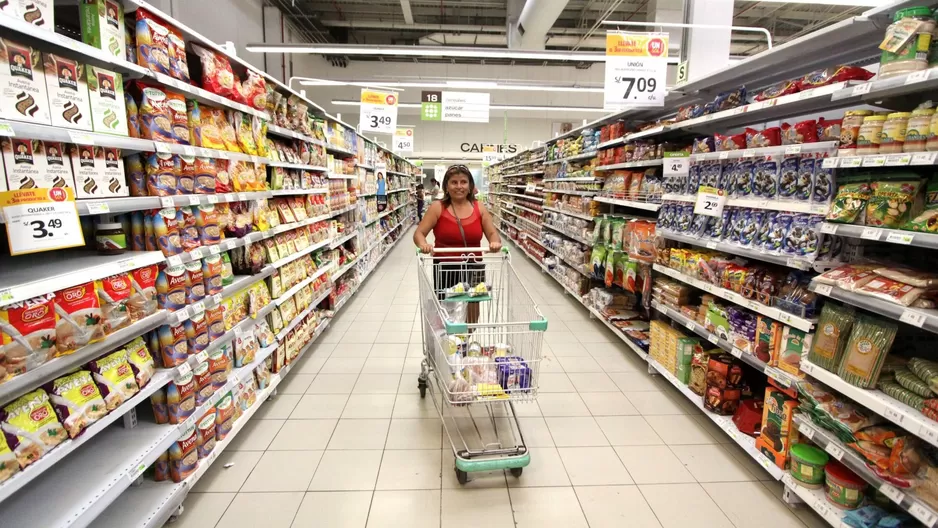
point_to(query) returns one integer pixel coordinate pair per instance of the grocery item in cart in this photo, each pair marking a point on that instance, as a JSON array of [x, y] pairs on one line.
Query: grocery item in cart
[[31, 427], [76, 401], [115, 378]]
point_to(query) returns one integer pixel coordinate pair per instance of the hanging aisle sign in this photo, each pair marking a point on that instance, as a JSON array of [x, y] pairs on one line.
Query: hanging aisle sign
[[403, 139], [466, 107], [378, 112], [41, 220], [636, 70]]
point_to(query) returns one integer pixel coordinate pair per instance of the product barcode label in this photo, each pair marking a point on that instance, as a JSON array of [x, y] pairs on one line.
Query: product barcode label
[[913, 317], [711, 245], [217, 298], [124, 265], [167, 201], [188, 151], [916, 77], [182, 370], [80, 138], [870, 233], [98, 207], [6, 129], [898, 160], [736, 352], [214, 250], [830, 229], [174, 260], [182, 315], [198, 307], [713, 339], [923, 513], [929, 433], [924, 158], [201, 357], [830, 163], [874, 161], [861, 89], [162, 148], [792, 150], [807, 432], [893, 414], [135, 472], [193, 200], [851, 162], [749, 153], [212, 199], [900, 238], [724, 155], [834, 450], [784, 317], [891, 492], [823, 289], [242, 197], [196, 253], [231, 197]]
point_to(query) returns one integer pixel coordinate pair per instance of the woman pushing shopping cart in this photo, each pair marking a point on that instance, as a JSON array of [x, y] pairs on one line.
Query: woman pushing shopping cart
[[482, 332]]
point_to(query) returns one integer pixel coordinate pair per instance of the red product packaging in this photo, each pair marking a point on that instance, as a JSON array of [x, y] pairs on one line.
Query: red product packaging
[[770, 137], [801, 132], [832, 75], [734, 142], [779, 89]]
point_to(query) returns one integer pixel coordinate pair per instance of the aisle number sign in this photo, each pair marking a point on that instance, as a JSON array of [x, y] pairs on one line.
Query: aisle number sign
[[41, 220], [378, 112], [636, 70], [403, 139], [465, 107]]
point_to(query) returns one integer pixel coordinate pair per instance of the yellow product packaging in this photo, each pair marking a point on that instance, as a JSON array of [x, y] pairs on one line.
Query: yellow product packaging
[[31, 423], [8, 464], [76, 401], [242, 124], [225, 128], [114, 378]]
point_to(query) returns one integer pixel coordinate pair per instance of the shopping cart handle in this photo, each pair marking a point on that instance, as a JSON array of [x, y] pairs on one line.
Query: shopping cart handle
[[464, 249]]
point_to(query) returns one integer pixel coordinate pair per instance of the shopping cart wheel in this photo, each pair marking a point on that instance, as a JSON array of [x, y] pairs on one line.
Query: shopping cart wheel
[[422, 385], [461, 476], [516, 472]]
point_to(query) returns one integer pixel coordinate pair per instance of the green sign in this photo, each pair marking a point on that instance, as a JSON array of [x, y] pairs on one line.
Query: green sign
[[431, 106], [682, 72]]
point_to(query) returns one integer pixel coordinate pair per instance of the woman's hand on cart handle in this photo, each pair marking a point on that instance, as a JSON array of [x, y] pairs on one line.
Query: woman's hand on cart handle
[[426, 248], [495, 247]]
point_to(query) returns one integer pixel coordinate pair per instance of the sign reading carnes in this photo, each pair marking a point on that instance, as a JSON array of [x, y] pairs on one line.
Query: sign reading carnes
[[480, 147]]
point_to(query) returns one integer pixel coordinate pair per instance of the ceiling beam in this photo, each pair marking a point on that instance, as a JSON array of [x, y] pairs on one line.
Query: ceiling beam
[[408, 14]]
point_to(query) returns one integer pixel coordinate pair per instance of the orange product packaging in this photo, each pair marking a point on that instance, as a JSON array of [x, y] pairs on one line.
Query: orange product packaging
[[143, 301], [27, 335], [642, 241], [80, 318]]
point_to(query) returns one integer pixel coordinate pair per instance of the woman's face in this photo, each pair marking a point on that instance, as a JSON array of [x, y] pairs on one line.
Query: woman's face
[[458, 186]]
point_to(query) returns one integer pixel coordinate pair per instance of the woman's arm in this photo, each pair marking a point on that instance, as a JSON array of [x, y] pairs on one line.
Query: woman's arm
[[488, 227], [427, 223]]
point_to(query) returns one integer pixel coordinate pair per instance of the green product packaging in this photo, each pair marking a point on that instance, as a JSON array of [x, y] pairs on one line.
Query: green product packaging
[[684, 352], [102, 26]]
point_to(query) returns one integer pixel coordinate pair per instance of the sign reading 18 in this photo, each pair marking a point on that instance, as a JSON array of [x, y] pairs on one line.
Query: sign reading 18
[[641, 84], [383, 120]]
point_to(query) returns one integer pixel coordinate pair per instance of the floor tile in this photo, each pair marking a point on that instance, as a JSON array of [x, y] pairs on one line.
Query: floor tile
[[535, 431], [615, 507], [406, 433], [256, 510], [546, 507], [576, 432], [653, 465], [277, 407], [563, 348], [310, 365], [683, 505], [283, 471], [389, 350], [592, 382], [302, 435], [220, 479], [383, 365], [376, 384], [360, 336], [313, 406], [554, 382], [359, 434], [332, 384], [347, 471], [295, 383], [628, 430], [343, 365], [635, 382], [203, 509], [593, 466], [334, 509], [679, 429], [413, 406], [256, 435], [369, 406], [401, 337], [751, 504], [461, 508], [651, 402], [405, 509], [561, 404], [346, 350], [579, 364], [711, 463], [410, 469], [608, 404]]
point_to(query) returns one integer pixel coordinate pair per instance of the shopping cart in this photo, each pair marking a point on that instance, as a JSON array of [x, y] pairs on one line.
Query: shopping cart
[[482, 353]]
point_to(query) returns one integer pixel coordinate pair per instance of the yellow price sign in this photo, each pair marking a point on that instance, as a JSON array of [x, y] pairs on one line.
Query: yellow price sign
[[41, 220]]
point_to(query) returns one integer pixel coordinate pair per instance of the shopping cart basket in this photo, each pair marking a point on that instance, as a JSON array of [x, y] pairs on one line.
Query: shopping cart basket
[[482, 354]]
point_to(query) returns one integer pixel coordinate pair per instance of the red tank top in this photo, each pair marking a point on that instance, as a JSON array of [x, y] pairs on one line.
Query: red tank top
[[446, 232]]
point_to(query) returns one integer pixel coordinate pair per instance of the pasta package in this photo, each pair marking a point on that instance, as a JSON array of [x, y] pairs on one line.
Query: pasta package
[[226, 129], [866, 350], [115, 378], [152, 36], [155, 114], [245, 348], [143, 301], [31, 427], [830, 340], [27, 335], [114, 293], [80, 318], [244, 131], [892, 291], [142, 364], [76, 401], [171, 287]]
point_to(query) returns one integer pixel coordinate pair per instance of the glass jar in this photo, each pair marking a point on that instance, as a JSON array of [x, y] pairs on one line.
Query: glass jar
[[931, 144], [916, 134], [913, 55], [850, 127], [870, 135], [893, 136], [110, 239]]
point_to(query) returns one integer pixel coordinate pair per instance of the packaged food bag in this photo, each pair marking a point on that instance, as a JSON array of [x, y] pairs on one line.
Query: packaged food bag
[[76, 401], [80, 318], [27, 335], [140, 360], [115, 378], [31, 427]]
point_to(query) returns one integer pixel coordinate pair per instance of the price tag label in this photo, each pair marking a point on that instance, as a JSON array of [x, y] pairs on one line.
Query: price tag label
[[917, 77], [676, 164], [98, 207], [710, 202], [80, 138], [870, 233], [188, 151], [823, 289], [134, 473], [214, 250], [713, 339], [923, 513], [167, 201], [201, 357], [749, 153], [162, 148], [807, 432], [890, 491], [182, 315], [900, 238], [223, 154], [784, 317], [828, 228], [893, 414], [861, 89], [205, 153], [724, 155], [690, 325], [777, 376], [830, 163], [6, 130], [711, 245], [193, 200], [792, 150], [898, 160], [217, 298], [924, 158], [913, 317], [198, 308], [834, 450], [212, 199], [196, 254], [183, 370], [736, 352], [929, 433], [242, 197], [41, 220], [851, 162], [174, 260], [874, 161]]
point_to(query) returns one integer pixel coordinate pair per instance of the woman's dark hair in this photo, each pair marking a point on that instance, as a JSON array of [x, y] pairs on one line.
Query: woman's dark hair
[[453, 171]]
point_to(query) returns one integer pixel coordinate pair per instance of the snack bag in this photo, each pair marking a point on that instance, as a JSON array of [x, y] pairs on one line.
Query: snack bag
[[143, 301], [179, 67], [152, 38], [217, 76], [114, 293], [76, 401], [849, 206], [79, 318], [891, 203], [115, 378], [142, 364], [30, 427], [155, 115], [162, 174]]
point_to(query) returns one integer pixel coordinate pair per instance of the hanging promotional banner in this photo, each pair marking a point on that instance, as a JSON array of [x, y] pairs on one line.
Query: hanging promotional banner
[[636, 70], [465, 107], [41, 220], [378, 112], [403, 139], [381, 173], [490, 155]]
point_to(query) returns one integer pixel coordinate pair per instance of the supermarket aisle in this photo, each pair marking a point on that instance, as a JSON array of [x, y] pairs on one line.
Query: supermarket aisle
[[349, 443]]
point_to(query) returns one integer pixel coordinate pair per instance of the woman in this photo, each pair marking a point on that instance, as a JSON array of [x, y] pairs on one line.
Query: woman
[[458, 220]]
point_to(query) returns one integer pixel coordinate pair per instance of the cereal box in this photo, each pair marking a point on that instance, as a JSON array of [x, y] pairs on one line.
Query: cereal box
[[36, 12], [69, 102], [102, 25], [28, 165], [114, 178], [22, 84], [108, 109], [88, 170]]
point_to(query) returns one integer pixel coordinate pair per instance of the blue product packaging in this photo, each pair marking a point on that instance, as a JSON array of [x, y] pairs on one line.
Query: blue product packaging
[[765, 178], [693, 178], [804, 185], [777, 233], [788, 178], [767, 221], [513, 373], [823, 184], [796, 241], [749, 230], [743, 186]]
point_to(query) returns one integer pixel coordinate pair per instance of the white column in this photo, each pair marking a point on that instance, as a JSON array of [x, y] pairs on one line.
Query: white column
[[708, 50]]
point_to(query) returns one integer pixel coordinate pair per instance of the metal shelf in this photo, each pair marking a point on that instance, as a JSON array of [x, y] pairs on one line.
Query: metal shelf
[[574, 193], [299, 286], [292, 192], [287, 133], [648, 206], [738, 250], [582, 179], [568, 213], [920, 317], [579, 268], [630, 164], [339, 241], [568, 235], [577, 157], [525, 196], [800, 323], [892, 236], [299, 166], [332, 149], [300, 316], [784, 150]]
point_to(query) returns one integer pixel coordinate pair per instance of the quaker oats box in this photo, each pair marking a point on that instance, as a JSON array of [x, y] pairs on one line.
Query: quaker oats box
[[115, 180], [29, 165], [108, 112], [23, 95], [36, 12], [102, 25], [69, 102], [88, 169]]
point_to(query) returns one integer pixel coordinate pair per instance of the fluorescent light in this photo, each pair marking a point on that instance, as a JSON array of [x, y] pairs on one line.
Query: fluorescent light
[[429, 51], [524, 108]]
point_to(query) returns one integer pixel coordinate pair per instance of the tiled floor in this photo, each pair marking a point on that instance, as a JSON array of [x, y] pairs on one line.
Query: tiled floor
[[349, 443]]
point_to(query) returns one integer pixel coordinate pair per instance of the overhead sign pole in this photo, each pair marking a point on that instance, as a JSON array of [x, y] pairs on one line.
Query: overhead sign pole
[[636, 70]]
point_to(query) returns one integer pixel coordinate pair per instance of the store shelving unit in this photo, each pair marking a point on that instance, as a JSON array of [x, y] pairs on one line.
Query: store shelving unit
[[739, 250], [647, 206]]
